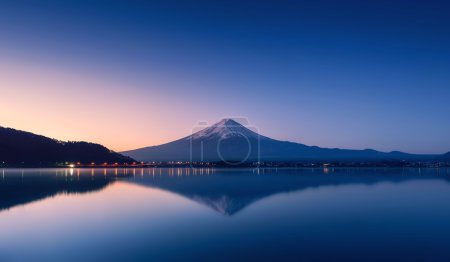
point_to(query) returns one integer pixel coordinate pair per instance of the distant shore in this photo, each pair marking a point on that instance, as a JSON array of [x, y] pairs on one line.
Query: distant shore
[[277, 164]]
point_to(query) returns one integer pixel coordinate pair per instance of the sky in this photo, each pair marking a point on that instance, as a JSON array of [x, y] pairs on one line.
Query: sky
[[129, 74]]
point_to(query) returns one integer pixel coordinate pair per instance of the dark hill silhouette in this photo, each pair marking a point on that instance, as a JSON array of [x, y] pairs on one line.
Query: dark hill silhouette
[[28, 149]]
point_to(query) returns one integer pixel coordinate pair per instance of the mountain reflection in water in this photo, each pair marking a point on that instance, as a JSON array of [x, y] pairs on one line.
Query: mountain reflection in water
[[226, 191]]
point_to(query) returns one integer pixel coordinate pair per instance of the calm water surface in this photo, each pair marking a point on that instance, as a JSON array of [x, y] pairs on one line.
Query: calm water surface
[[224, 214]]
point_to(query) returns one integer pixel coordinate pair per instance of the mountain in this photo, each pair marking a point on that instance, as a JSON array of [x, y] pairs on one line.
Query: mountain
[[24, 148], [232, 142], [445, 157]]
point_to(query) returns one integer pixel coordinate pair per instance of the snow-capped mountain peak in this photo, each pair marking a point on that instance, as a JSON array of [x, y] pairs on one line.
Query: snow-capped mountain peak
[[223, 129], [231, 142]]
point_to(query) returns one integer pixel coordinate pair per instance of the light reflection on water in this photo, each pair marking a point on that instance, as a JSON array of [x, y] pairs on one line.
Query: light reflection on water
[[224, 214]]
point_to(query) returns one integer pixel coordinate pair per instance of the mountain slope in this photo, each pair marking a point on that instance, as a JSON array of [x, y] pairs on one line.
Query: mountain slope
[[24, 148], [445, 157], [232, 142]]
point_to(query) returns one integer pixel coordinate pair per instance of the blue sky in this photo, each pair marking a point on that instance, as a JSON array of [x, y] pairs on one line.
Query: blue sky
[[349, 74]]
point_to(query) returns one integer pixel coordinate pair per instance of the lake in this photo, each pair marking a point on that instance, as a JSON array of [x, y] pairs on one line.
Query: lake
[[183, 214]]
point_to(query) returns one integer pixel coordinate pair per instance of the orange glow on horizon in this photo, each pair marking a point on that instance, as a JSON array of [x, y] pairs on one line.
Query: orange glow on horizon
[[76, 106]]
